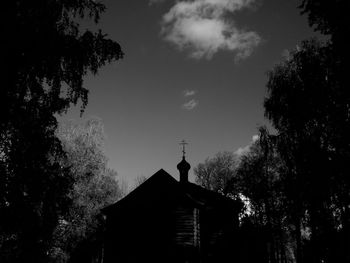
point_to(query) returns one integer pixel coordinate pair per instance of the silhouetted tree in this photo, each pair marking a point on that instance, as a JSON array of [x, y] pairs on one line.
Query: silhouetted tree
[[95, 186], [311, 115], [255, 178], [45, 56], [215, 173], [260, 180], [329, 18]]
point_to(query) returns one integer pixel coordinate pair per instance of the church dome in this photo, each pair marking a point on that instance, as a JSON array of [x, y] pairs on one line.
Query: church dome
[[183, 168], [183, 165]]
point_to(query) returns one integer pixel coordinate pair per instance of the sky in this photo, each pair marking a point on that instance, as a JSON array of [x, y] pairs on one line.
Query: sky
[[193, 70]]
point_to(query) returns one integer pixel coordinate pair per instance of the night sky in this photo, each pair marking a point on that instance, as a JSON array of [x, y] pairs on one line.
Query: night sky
[[193, 70]]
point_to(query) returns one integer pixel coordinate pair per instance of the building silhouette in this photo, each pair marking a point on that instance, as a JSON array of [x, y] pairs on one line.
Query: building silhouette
[[165, 220]]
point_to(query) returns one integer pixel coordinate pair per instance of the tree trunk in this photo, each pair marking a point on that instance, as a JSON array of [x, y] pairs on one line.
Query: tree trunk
[[298, 240]]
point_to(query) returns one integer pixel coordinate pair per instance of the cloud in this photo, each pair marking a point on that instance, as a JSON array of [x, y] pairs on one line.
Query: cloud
[[202, 28], [255, 137], [188, 93], [190, 105], [244, 150]]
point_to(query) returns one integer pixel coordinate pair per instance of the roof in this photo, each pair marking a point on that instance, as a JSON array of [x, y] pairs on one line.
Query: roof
[[162, 189]]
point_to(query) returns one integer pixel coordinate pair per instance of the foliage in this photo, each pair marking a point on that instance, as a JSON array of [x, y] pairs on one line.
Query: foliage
[[297, 181], [254, 178], [215, 173], [328, 17], [46, 56], [95, 186], [310, 112], [331, 19], [260, 176]]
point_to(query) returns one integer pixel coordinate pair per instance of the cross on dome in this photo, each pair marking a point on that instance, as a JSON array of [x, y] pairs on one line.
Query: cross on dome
[[183, 143]]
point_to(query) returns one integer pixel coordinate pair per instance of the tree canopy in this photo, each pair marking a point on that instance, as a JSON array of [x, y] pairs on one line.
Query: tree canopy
[[46, 54], [328, 17], [95, 186], [215, 173], [310, 112], [296, 181]]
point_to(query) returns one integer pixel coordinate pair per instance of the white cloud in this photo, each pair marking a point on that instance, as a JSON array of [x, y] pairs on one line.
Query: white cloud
[[244, 150], [200, 26], [188, 93], [255, 137], [190, 105]]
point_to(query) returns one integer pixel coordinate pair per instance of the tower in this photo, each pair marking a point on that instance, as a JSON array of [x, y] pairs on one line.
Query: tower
[[183, 166]]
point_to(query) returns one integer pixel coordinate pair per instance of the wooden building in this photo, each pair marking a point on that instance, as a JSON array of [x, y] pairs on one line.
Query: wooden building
[[164, 220]]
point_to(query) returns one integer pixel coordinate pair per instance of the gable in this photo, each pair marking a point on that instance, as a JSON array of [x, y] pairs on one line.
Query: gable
[[161, 189]]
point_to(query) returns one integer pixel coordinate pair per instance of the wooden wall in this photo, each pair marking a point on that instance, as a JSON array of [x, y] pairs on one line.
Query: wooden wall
[[175, 233]]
